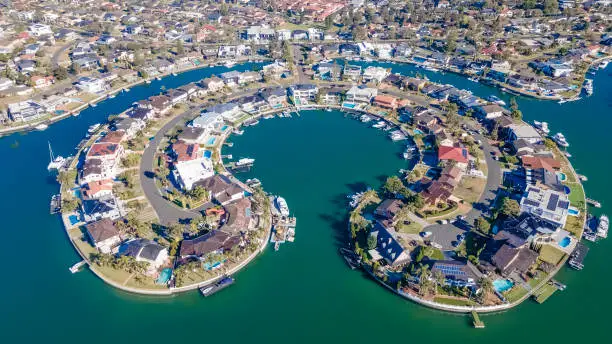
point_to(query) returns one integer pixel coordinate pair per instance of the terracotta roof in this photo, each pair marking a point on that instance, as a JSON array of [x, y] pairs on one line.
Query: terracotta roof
[[458, 154], [113, 137], [535, 162], [92, 188], [102, 149]]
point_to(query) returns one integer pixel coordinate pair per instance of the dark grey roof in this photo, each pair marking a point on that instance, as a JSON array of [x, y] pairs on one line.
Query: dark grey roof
[[141, 248]]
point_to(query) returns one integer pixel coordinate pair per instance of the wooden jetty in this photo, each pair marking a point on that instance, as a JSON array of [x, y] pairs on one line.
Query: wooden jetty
[[76, 267], [476, 320], [593, 203]]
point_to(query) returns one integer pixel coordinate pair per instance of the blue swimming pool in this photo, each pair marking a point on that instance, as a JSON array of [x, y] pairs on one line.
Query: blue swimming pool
[[224, 128], [502, 285], [207, 154], [348, 105], [418, 132], [211, 141], [562, 177], [573, 211], [567, 189], [164, 276], [74, 219], [565, 242]]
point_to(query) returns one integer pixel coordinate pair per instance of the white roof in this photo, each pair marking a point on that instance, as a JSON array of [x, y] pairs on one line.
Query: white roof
[[192, 171]]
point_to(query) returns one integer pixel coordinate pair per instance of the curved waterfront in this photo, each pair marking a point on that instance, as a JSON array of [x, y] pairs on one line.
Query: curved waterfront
[[304, 292]]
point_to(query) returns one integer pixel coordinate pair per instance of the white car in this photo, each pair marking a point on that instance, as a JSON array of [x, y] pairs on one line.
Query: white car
[[426, 234]]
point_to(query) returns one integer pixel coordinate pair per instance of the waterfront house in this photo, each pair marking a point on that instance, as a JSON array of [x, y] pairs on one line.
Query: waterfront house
[[414, 84], [142, 113], [109, 155], [194, 134], [375, 74], [361, 94], [385, 101], [389, 208], [457, 154], [130, 126], [92, 171], [182, 151], [239, 215], [222, 189], [215, 241], [228, 111], [102, 208], [160, 104], [510, 259], [24, 111], [103, 235], [177, 95], [253, 104], [276, 96], [457, 273], [303, 93], [348, 49], [331, 95], [259, 34], [351, 72], [208, 122], [549, 205], [187, 173], [212, 84], [490, 111], [329, 71], [113, 137], [97, 189], [144, 250], [387, 247], [91, 85], [523, 132], [231, 78]]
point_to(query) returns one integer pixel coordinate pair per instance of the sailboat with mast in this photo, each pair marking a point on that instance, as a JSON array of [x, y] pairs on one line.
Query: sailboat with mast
[[55, 162]]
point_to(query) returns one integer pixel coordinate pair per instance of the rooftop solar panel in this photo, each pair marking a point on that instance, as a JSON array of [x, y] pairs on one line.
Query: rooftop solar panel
[[564, 204], [552, 202]]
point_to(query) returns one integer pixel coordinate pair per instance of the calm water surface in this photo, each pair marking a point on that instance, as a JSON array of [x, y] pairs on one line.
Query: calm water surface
[[304, 292]]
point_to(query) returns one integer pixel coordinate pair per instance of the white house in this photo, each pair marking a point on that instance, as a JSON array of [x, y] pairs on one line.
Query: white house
[[376, 74], [26, 111], [361, 94], [187, 173], [91, 85], [208, 121], [40, 29]]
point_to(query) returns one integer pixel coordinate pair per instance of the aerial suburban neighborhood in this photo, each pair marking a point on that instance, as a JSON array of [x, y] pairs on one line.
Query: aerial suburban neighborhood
[[485, 212]]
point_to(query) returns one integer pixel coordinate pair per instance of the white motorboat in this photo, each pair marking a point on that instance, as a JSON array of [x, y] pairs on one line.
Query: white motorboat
[[158, 78], [496, 100], [559, 138], [602, 228], [92, 129], [542, 126], [245, 162], [281, 205], [397, 135], [379, 124], [365, 118], [41, 127], [238, 132], [588, 87], [230, 64]]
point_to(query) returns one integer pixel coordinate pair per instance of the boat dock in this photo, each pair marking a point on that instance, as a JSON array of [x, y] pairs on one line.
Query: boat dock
[[76, 267], [542, 294], [576, 260], [222, 284], [593, 203], [56, 204], [476, 320], [590, 228]]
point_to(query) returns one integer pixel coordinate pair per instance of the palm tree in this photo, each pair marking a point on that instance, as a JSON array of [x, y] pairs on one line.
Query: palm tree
[[486, 285]]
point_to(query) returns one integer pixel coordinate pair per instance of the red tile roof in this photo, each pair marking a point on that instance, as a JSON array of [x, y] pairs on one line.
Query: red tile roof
[[458, 154], [534, 162]]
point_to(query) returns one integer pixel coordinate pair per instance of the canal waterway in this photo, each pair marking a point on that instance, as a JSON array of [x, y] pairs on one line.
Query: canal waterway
[[304, 292]]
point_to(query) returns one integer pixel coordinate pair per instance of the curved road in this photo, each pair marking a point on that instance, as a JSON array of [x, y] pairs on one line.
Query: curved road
[[447, 233], [166, 211]]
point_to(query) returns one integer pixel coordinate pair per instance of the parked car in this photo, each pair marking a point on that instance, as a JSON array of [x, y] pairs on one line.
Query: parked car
[[426, 234]]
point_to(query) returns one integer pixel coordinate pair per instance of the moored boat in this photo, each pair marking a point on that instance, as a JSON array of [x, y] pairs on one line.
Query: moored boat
[[281, 205], [602, 227], [223, 283]]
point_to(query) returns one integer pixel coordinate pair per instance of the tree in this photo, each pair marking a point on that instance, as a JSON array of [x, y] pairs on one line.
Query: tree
[[551, 6], [371, 242], [130, 160], [175, 231], [70, 204], [451, 41], [198, 193], [482, 225], [510, 207], [394, 185], [486, 285], [60, 73], [529, 4], [180, 49], [67, 177]]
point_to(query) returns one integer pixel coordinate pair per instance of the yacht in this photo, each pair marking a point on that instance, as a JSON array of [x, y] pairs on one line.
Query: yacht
[[174, 74], [588, 87], [559, 138], [542, 126], [474, 79], [365, 118], [92, 129], [268, 116], [603, 64], [238, 132], [281, 205], [148, 81], [379, 124], [496, 100], [111, 96], [41, 127], [223, 283], [55, 162], [230, 64], [158, 78], [409, 152], [126, 90], [397, 135], [602, 228], [245, 162]]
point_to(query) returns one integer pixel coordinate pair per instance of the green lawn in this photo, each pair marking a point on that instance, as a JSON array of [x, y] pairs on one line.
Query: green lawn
[[544, 293], [433, 253], [412, 228], [551, 254], [454, 302], [576, 196], [515, 293]]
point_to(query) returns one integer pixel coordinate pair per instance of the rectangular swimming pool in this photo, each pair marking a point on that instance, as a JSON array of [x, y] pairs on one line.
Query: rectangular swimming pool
[[207, 154], [565, 242], [211, 141]]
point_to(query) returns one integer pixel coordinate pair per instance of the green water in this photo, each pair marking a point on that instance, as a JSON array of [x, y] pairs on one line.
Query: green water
[[304, 292]]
